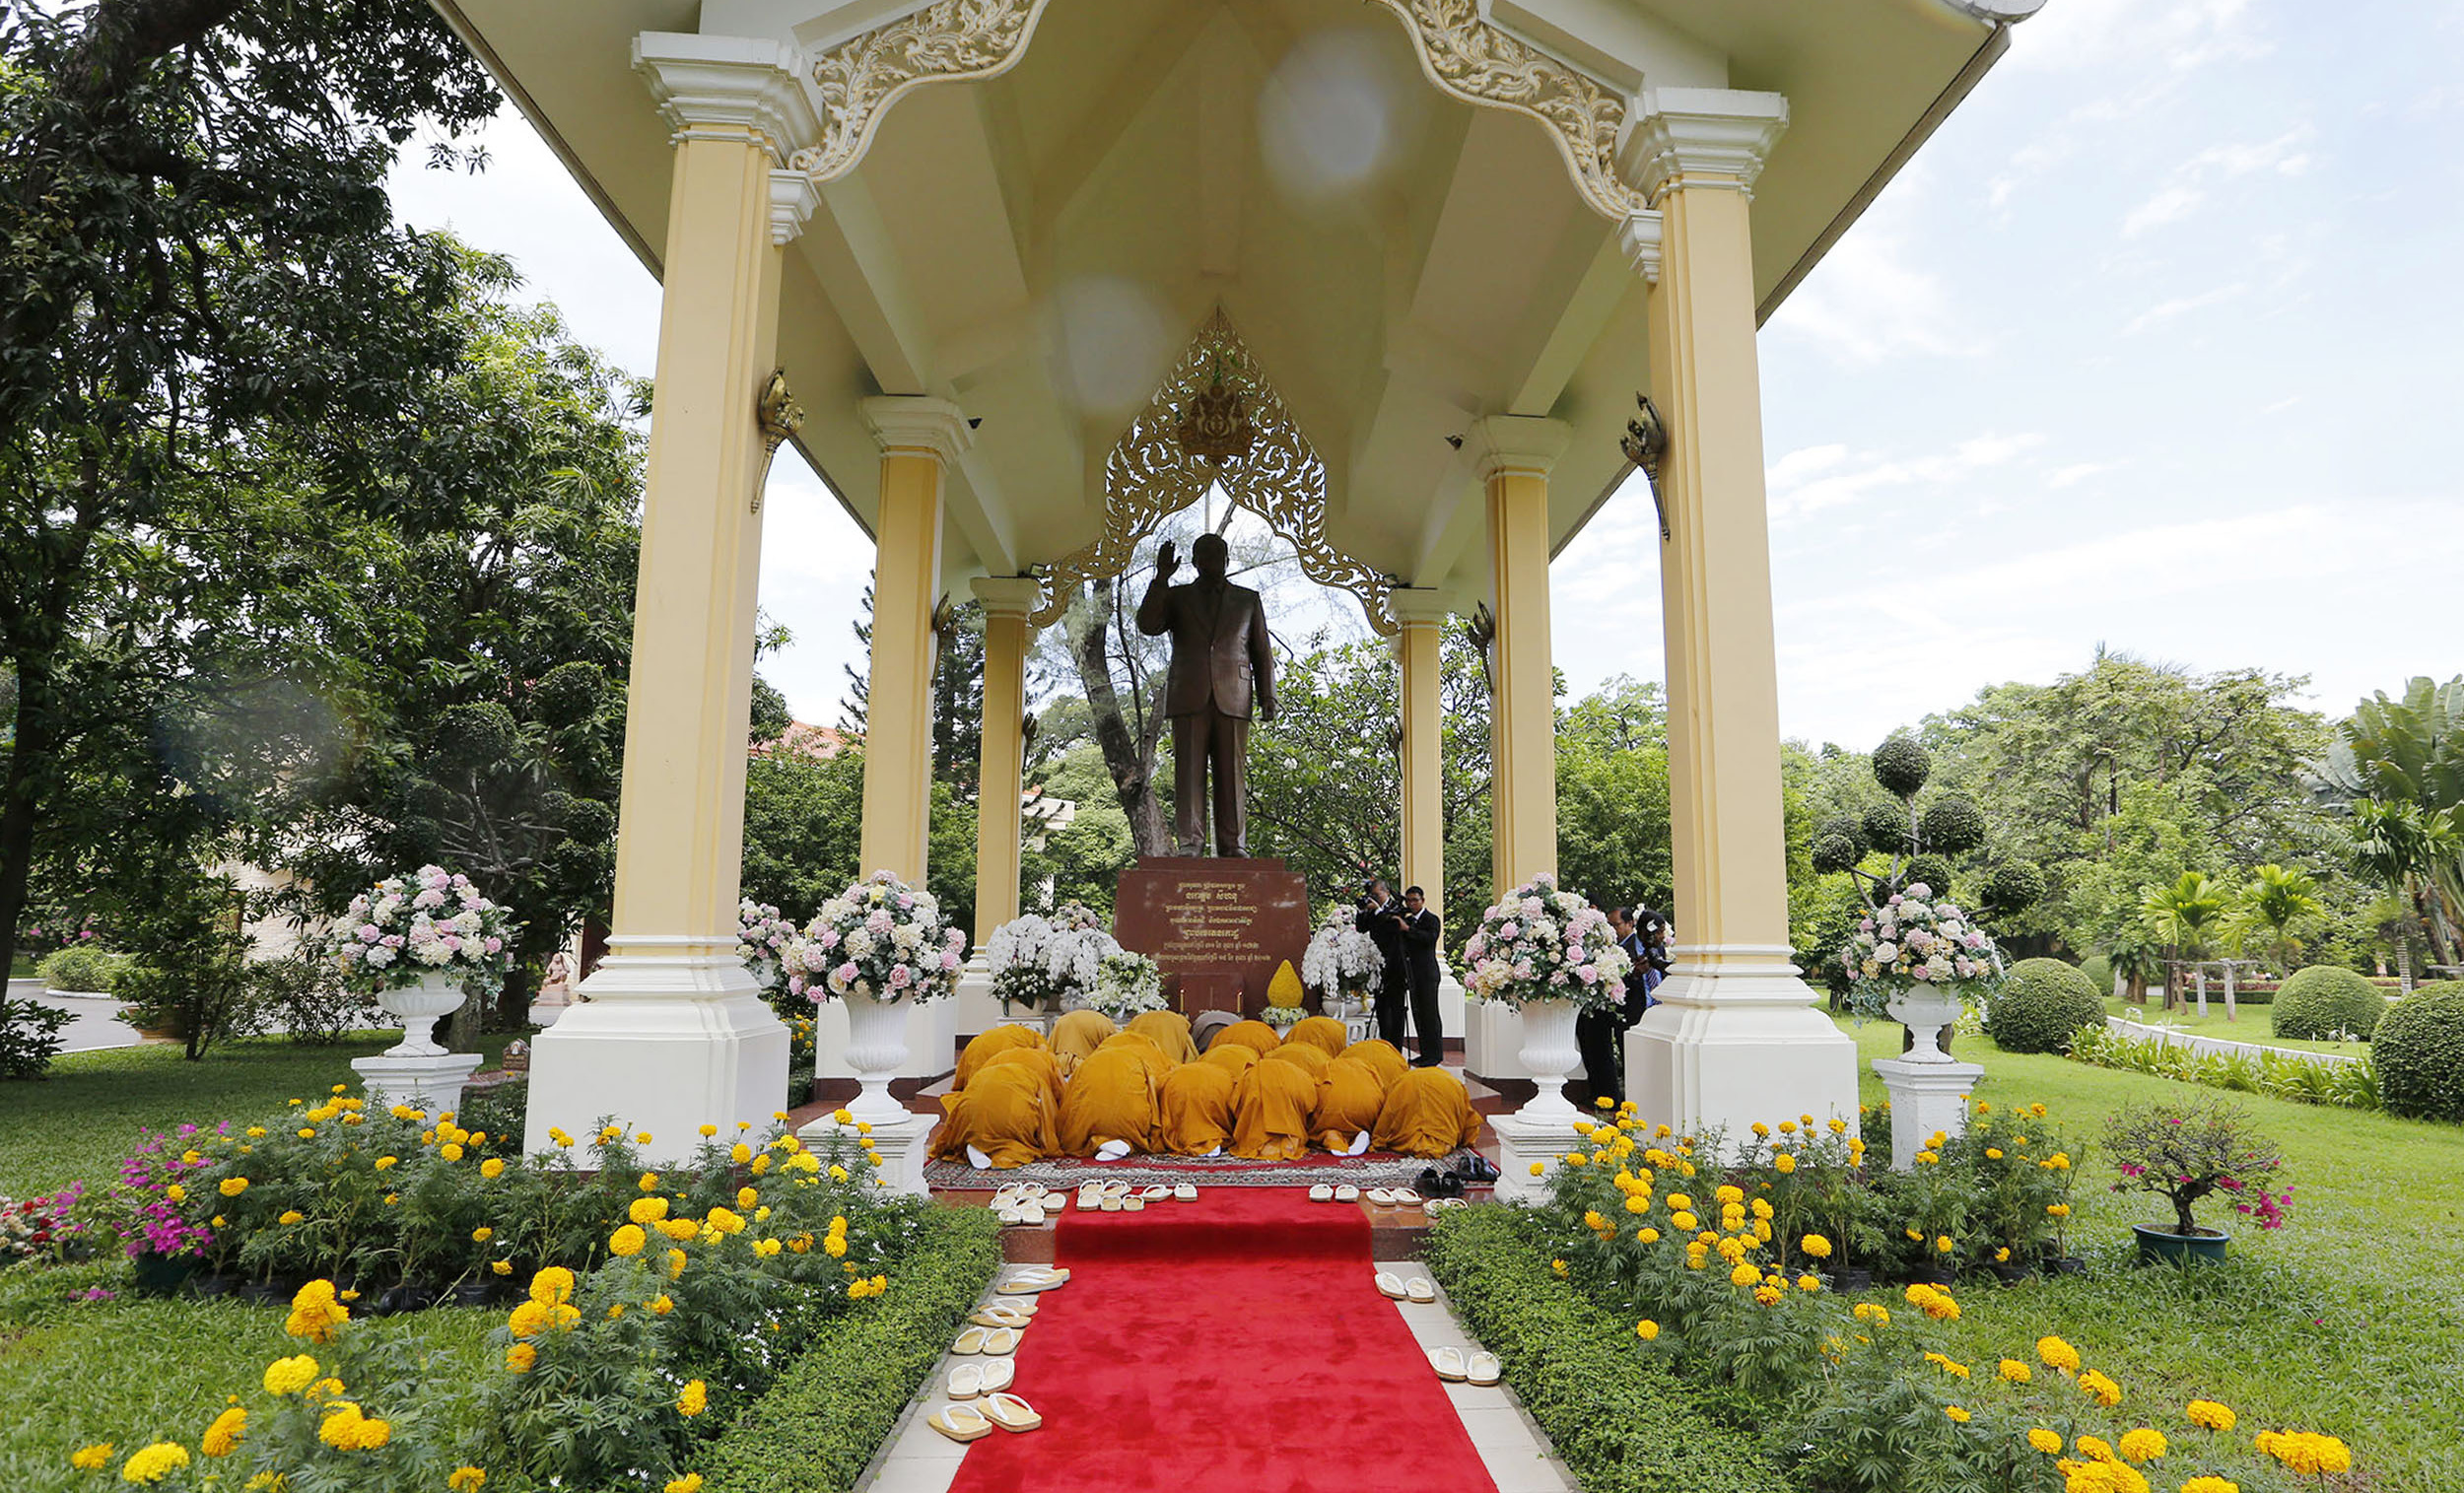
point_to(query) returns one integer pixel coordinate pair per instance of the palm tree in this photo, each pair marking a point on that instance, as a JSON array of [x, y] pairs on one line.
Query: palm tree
[[2133, 956], [2411, 854], [2275, 904], [2184, 916]]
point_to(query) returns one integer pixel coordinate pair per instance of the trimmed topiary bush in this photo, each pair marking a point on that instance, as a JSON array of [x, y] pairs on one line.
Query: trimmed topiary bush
[[2100, 972], [1901, 765], [2316, 1003], [2418, 1053], [81, 968], [2041, 1002]]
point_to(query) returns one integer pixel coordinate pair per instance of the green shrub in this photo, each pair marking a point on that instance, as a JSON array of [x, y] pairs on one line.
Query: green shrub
[[2041, 1002], [817, 1428], [2318, 1002], [30, 1036], [80, 967], [2249, 996], [2420, 1054], [1620, 1417], [2100, 972]]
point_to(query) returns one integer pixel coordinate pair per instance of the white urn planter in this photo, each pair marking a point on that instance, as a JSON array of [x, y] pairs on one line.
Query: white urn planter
[[1549, 1055], [876, 1050], [1923, 1011], [439, 992]]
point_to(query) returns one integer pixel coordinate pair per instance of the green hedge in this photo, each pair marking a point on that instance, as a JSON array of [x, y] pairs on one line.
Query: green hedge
[[818, 1427], [2041, 1002], [2321, 1001], [2420, 1054], [1621, 1420]]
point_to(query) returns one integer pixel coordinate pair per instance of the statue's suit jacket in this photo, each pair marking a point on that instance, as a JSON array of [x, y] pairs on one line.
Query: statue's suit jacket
[[1221, 649]]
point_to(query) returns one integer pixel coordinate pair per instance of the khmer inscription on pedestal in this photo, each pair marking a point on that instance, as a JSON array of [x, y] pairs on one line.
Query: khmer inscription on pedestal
[[1216, 926]]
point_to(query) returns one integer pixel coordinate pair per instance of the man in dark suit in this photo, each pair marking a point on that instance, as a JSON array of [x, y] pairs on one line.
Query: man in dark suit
[[1381, 918], [1420, 933], [1222, 672]]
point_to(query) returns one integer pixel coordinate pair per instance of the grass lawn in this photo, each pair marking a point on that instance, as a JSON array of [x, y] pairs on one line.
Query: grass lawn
[[2350, 1320], [2256, 1025], [132, 1370], [88, 1113]]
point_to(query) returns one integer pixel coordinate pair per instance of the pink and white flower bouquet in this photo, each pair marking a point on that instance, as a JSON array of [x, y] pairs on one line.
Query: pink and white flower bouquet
[[762, 940], [1543, 944], [1914, 939], [880, 938], [405, 927]]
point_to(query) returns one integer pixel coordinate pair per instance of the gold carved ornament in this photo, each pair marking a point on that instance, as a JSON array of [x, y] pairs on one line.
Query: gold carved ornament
[[1464, 54], [780, 417], [1149, 475]]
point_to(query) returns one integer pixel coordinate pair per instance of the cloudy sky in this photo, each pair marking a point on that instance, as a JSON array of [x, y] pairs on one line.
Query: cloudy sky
[[2156, 346]]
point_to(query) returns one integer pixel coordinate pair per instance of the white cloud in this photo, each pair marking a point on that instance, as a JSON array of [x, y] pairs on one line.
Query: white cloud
[[2165, 310], [1874, 298], [2073, 36], [2186, 193], [2079, 472], [1807, 481]]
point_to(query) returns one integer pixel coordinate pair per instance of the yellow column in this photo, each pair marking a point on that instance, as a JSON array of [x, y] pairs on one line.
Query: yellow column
[[1736, 1035], [1007, 599], [1422, 615], [919, 437], [1515, 453], [673, 1036]]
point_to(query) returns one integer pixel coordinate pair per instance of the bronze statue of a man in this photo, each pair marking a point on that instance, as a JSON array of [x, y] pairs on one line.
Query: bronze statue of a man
[[1222, 670]]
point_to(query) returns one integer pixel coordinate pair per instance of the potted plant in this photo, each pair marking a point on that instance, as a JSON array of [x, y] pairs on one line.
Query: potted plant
[[1548, 954], [1127, 985], [1342, 965], [415, 943], [2188, 1152], [1921, 962], [880, 946]]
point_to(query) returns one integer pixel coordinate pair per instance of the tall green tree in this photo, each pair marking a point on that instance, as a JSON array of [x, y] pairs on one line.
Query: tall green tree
[[2274, 910], [2398, 766], [2185, 916], [211, 330]]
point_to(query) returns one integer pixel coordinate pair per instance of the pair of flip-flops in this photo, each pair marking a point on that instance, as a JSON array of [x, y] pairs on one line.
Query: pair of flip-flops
[[1034, 1280], [991, 1377], [1453, 1366], [1420, 1289], [965, 1421], [1325, 1194]]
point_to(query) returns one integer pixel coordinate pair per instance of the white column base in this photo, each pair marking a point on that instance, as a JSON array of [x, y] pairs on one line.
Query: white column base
[[1523, 1144], [1492, 1041], [931, 1041], [432, 1083], [1736, 1038], [901, 1143], [977, 1009], [667, 1042], [1451, 1016], [1925, 1096]]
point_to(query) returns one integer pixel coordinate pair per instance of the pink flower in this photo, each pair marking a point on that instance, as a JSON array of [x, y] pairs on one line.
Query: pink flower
[[901, 978], [370, 932], [1588, 975], [949, 960], [844, 974], [495, 945]]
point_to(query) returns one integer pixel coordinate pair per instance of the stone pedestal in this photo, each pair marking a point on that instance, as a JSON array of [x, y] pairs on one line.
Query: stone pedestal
[[1216, 926], [978, 1009], [1925, 1096], [425, 1081], [1523, 1144], [901, 1143], [1492, 1041]]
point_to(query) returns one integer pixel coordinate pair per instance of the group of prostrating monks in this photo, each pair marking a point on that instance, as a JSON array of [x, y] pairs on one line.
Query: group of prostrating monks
[[1253, 1094]]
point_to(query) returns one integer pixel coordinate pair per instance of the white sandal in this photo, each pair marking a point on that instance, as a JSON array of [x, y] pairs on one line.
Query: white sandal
[[1011, 1413], [1322, 1193], [1392, 1285], [1448, 1361], [999, 1374], [1133, 1205], [1186, 1192], [1379, 1197], [1482, 1369], [960, 1423], [1420, 1290], [971, 1342], [1347, 1194], [966, 1380], [999, 1343]]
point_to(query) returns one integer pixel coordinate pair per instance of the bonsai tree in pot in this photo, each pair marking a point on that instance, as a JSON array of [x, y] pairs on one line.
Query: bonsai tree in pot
[[2186, 1153]]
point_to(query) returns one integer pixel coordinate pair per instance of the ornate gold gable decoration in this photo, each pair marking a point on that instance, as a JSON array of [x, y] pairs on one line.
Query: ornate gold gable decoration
[[955, 40], [1152, 474]]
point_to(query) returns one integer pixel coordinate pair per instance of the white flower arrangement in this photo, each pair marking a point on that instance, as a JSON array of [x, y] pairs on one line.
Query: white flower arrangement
[[1283, 1018], [405, 927], [1341, 960], [1911, 940], [1543, 944], [1049, 963], [762, 940], [880, 938], [1127, 985]]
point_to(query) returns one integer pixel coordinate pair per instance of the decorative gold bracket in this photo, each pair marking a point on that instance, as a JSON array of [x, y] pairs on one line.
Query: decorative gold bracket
[[1646, 445], [780, 417]]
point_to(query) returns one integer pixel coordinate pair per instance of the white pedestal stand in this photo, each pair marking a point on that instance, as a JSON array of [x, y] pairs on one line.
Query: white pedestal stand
[[1925, 1096], [1492, 1037], [876, 1050], [430, 1081], [675, 1035], [977, 1009], [1531, 1139], [1736, 1039]]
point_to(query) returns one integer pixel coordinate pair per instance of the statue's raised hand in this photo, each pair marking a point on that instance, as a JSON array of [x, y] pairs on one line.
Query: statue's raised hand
[[1167, 560]]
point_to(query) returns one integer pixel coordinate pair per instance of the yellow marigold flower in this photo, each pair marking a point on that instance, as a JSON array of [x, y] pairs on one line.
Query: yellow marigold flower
[[690, 1482], [1762, 1129], [2210, 1414], [520, 1358], [841, 1116], [1956, 1413], [2146, 1444], [2057, 1354], [1728, 1195], [2101, 1390], [648, 1181], [1593, 1220], [1538, 1168], [2044, 1441], [555, 1133], [288, 1376], [91, 1459], [2058, 1209], [449, 1151], [1809, 1282], [1559, 1266], [648, 1209], [501, 1266], [740, 1154], [643, 1136], [553, 1286], [1928, 1159], [726, 1221], [1839, 1128], [1744, 1275], [346, 1429], [233, 1186], [694, 1399], [1993, 1153], [765, 1248], [675, 1264], [467, 1480], [482, 1234], [1873, 1312], [836, 1173], [1639, 1203], [491, 1168], [680, 1229], [2211, 1484], [1942, 1243], [1684, 1222], [383, 1161], [529, 1320], [224, 1434], [1647, 1235], [290, 1216], [610, 1133], [660, 1306], [627, 1241], [2015, 1371], [709, 1131], [1575, 1159], [155, 1463], [835, 1245], [1783, 1163]]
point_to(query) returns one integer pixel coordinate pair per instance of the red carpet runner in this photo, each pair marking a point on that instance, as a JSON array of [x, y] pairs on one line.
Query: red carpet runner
[[1235, 1344]]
